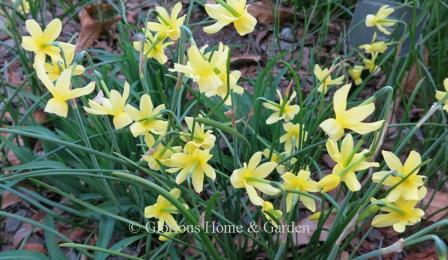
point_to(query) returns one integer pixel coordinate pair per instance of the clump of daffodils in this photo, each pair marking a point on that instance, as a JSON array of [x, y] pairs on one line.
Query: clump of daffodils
[[405, 190], [167, 28], [209, 70], [186, 148], [373, 49], [60, 69]]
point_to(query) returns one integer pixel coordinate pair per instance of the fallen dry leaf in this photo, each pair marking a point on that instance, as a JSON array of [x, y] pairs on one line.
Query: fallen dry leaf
[[244, 59], [94, 20], [311, 226], [40, 116], [259, 38], [263, 12], [413, 76], [35, 247], [8, 199], [24, 231], [427, 253], [438, 204]]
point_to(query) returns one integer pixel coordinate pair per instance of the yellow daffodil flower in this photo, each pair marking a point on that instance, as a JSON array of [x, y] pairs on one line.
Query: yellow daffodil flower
[[163, 210], [370, 65], [293, 136], [168, 25], [147, 119], [408, 188], [374, 47], [399, 214], [60, 63], [114, 106], [252, 176], [23, 6], [282, 110], [42, 42], [61, 91], [380, 20], [221, 91], [167, 236], [153, 47], [347, 164], [219, 59], [324, 77], [349, 119], [192, 162], [157, 155], [355, 74], [300, 183], [201, 138], [272, 215], [277, 158], [203, 69], [227, 12], [315, 216], [440, 95]]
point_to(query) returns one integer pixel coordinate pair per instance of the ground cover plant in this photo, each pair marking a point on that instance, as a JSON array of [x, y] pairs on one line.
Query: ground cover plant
[[222, 129]]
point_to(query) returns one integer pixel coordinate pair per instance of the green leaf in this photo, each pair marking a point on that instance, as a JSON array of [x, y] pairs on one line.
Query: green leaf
[[211, 204], [49, 164], [107, 225], [50, 240], [22, 255]]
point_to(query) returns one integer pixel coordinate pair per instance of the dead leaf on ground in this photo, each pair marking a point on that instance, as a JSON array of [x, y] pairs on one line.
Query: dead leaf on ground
[[40, 116], [35, 247], [427, 253], [9, 198], [24, 231], [12, 158], [95, 19], [413, 76], [259, 38], [438, 204], [244, 59], [303, 238], [263, 12]]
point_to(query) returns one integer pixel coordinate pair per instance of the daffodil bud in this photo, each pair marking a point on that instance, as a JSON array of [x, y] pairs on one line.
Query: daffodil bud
[[270, 213], [355, 73]]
